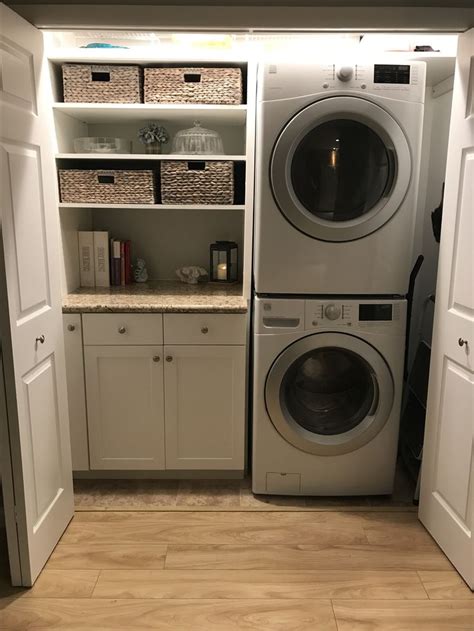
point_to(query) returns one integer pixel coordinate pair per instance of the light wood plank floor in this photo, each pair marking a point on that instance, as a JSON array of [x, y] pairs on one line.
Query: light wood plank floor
[[249, 571]]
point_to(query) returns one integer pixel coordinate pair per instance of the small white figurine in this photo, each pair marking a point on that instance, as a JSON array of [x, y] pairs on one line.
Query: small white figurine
[[140, 272], [192, 274]]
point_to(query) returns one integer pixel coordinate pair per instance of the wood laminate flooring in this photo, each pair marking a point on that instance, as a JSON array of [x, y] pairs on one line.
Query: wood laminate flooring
[[231, 570]]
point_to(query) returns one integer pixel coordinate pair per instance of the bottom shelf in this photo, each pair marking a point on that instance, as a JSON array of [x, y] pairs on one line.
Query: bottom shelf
[[155, 206]]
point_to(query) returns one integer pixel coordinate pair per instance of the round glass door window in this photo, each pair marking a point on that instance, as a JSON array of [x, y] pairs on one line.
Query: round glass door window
[[340, 170], [329, 391]]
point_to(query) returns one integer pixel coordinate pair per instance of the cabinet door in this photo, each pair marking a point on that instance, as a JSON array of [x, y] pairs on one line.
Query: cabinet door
[[125, 407], [205, 407], [76, 391]]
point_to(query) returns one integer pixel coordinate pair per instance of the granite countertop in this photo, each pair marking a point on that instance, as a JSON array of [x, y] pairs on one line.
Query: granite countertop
[[157, 297]]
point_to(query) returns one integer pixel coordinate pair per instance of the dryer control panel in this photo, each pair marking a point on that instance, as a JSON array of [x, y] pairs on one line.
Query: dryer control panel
[[355, 314], [401, 80]]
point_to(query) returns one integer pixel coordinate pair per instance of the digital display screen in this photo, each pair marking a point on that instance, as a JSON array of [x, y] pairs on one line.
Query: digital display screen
[[390, 73], [372, 313]]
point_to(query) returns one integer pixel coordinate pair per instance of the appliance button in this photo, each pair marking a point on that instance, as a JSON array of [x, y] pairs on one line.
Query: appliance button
[[332, 312]]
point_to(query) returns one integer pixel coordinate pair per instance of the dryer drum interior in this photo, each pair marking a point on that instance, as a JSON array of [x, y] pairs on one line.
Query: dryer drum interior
[[329, 393], [341, 170]]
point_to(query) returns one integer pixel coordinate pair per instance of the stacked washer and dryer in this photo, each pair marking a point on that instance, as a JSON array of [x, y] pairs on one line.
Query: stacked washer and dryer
[[337, 168]]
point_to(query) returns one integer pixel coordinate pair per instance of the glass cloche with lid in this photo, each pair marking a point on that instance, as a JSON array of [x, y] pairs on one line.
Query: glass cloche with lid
[[198, 140]]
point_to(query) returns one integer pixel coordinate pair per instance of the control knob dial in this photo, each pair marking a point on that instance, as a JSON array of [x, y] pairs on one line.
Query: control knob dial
[[345, 73], [332, 311]]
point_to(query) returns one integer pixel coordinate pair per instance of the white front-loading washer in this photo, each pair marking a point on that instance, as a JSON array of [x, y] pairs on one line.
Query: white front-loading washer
[[328, 376], [337, 165]]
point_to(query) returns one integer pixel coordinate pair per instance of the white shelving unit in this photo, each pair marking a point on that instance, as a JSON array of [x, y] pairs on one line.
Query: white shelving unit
[[193, 226]]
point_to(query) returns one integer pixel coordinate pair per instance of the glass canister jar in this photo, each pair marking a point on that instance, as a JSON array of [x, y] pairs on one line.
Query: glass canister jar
[[198, 140]]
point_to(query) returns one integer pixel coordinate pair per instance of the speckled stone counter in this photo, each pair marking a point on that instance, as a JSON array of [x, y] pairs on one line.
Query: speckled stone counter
[[157, 297]]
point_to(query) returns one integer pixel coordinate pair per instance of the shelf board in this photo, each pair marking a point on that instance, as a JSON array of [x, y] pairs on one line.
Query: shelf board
[[147, 156], [115, 112], [145, 55], [155, 206]]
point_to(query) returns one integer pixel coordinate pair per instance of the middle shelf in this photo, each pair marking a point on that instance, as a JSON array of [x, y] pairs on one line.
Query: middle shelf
[[149, 156]]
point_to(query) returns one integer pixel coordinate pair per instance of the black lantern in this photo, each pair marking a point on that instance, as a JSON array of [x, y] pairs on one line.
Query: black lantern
[[224, 261]]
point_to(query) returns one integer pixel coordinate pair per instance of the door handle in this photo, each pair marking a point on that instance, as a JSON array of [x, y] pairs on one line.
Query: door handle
[[462, 342], [40, 339]]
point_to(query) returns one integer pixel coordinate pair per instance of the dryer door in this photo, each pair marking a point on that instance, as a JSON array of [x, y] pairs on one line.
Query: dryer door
[[329, 393], [340, 169]]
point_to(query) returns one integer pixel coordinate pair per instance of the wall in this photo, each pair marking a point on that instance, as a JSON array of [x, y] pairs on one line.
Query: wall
[[168, 239], [435, 143]]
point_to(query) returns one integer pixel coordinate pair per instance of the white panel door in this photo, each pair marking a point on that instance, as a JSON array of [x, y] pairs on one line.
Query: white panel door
[[30, 317], [205, 407], [125, 407], [76, 391], [447, 483]]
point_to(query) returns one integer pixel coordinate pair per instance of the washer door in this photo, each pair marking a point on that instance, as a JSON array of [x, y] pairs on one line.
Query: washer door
[[340, 169], [329, 393]]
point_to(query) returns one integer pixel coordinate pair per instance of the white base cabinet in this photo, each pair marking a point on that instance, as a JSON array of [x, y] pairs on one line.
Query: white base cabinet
[[205, 407], [125, 407], [160, 392]]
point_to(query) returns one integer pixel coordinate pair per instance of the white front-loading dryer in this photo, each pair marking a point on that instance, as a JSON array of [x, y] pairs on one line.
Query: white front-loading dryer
[[337, 164], [328, 377]]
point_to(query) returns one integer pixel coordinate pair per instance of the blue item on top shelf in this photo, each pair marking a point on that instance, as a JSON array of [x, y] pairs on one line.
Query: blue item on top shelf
[[99, 45]]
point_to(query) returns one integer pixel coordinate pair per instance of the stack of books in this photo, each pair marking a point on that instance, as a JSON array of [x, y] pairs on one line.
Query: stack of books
[[103, 261]]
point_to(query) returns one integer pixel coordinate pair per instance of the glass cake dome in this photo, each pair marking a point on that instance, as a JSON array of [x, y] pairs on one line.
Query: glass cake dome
[[198, 140]]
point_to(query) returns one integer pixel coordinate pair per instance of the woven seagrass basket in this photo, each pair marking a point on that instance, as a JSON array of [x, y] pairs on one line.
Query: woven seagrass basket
[[221, 86], [85, 83], [107, 187], [197, 182]]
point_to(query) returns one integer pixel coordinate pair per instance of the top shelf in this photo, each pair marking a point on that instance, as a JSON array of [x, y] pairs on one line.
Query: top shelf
[[114, 112]]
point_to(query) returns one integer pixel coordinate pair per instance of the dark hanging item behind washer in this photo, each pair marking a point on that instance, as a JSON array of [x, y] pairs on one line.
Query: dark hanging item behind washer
[[436, 218]]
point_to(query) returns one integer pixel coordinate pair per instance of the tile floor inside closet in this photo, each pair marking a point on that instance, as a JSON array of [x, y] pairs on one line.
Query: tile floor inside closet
[[155, 495]]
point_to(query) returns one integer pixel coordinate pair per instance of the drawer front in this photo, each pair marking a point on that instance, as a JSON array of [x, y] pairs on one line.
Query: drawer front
[[101, 329], [205, 328]]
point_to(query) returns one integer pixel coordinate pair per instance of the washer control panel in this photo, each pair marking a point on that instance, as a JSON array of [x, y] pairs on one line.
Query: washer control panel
[[349, 314]]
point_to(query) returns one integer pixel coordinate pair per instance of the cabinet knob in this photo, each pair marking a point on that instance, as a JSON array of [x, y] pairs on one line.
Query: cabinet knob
[[122, 330], [40, 339], [462, 342], [204, 330], [71, 327], [156, 358], [169, 358]]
